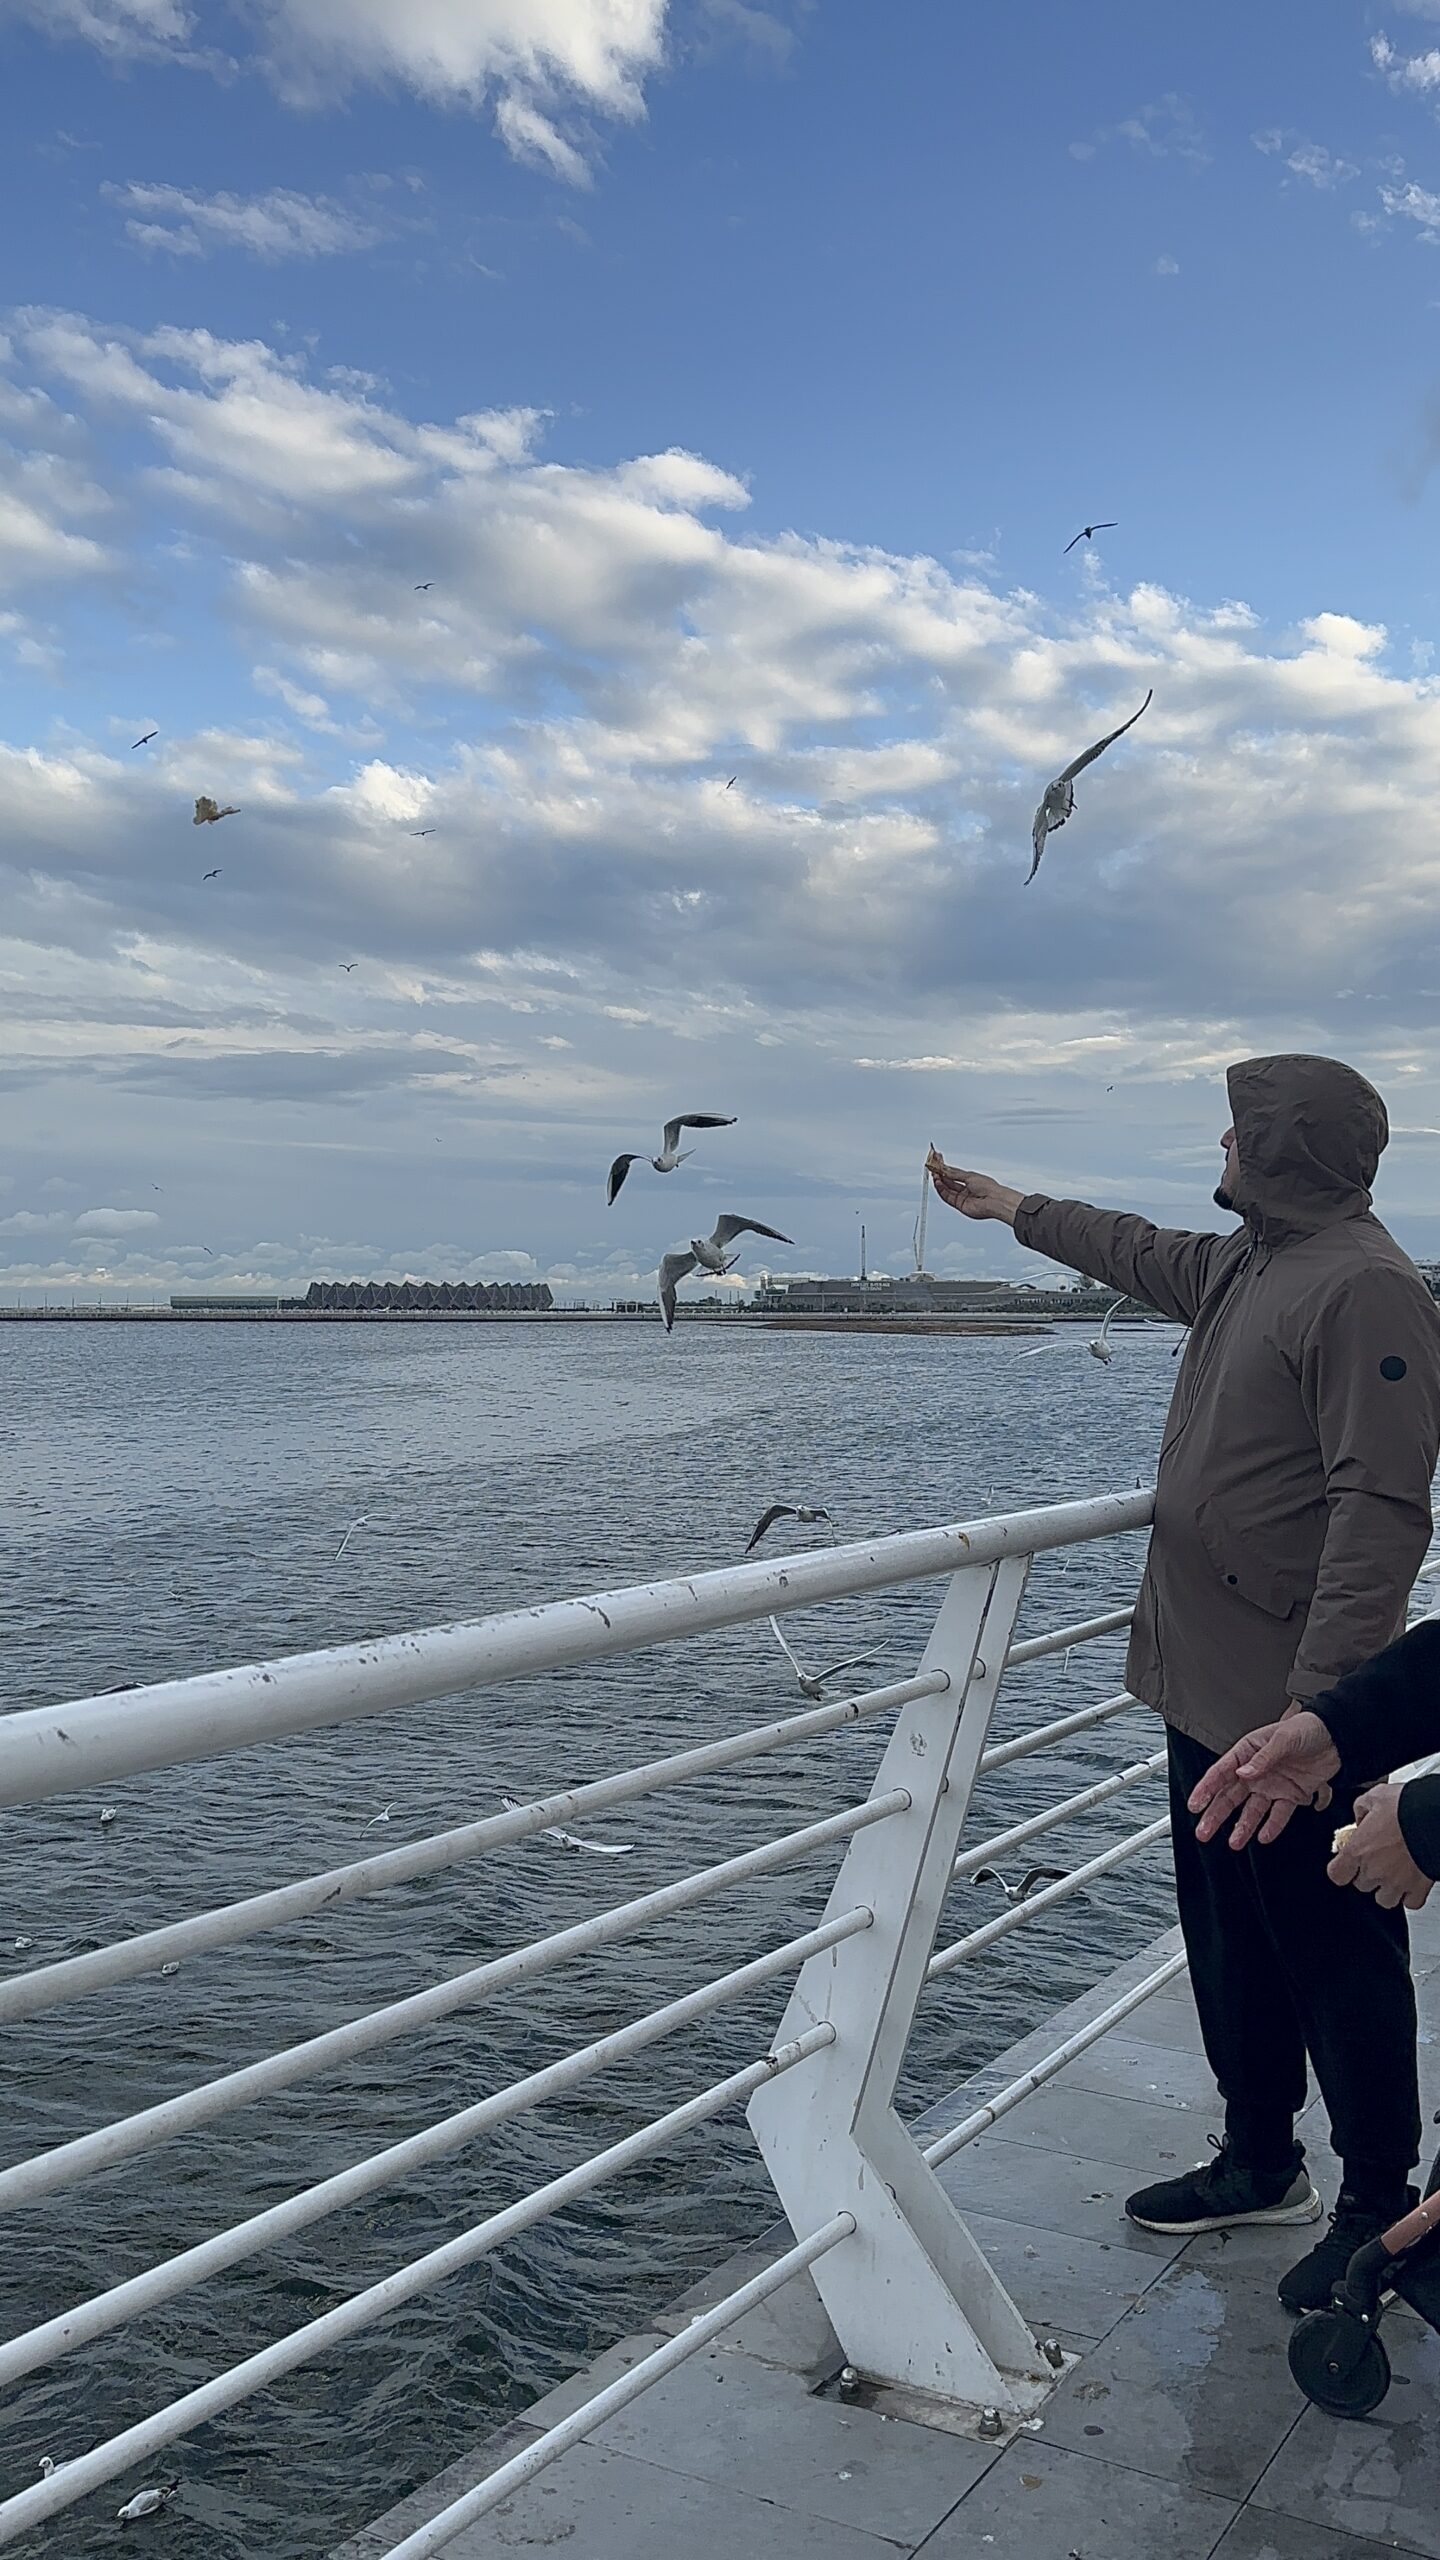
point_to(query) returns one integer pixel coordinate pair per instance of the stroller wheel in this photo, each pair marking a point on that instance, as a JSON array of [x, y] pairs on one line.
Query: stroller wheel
[[1338, 2364]]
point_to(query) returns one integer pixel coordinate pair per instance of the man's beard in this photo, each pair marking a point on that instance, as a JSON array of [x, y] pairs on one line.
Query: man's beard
[[1222, 1200]]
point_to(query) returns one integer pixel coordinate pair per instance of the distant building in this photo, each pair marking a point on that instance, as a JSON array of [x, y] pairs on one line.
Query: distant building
[[921, 1294], [426, 1297], [1430, 1274], [232, 1303]]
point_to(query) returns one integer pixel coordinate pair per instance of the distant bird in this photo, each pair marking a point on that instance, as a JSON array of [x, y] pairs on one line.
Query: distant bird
[[1022, 1891], [730, 785], [671, 1152], [1100, 1349], [347, 965], [425, 586], [205, 1249], [379, 1817], [48, 2464], [349, 1534], [422, 831], [145, 741], [812, 1683], [1088, 531], [572, 1839], [784, 1511], [168, 1969], [147, 2502], [23, 1946], [209, 814], [107, 1816], [1059, 801], [209, 875], [707, 1253]]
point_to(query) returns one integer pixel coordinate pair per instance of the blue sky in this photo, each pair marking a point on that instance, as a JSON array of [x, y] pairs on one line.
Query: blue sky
[[735, 374]]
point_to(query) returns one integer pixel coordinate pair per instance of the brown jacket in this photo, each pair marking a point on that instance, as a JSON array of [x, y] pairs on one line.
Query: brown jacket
[[1292, 1497]]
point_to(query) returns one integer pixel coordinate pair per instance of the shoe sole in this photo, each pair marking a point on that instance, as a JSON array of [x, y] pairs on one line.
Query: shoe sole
[[1308, 2210]]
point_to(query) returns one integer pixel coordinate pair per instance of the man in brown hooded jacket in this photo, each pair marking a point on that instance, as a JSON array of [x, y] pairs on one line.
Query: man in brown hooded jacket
[[1292, 1510]]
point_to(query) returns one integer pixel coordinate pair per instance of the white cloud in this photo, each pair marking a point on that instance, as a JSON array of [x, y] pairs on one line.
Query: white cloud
[[541, 64], [1411, 203], [1166, 267], [1324, 168], [279, 224], [1165, 129], [1418, 72], [115, 1222], [594, 903]]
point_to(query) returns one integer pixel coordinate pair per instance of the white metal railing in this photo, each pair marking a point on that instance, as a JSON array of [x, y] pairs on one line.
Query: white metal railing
[[911, 2296]]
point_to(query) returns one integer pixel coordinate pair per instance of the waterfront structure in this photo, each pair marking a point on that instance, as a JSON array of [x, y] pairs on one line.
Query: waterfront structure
[[426, 1297], [920, 1293], [917, 2322]]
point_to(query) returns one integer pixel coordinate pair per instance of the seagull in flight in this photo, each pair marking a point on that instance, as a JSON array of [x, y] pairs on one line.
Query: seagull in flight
[[1022, 1891], [145, 741], [803, 1511], [349, 1534], [671, 1152], [572, 1839], [425, 586], [1100, 1349], [734, 778], [1059, 801], [210, 875], [422, 831], [378, 1817], [812, 1683], [1087, 532], [347, 965], [208, 814], [707, 1253]]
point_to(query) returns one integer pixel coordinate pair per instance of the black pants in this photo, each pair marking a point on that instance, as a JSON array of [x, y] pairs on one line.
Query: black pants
[[1284, 1963]]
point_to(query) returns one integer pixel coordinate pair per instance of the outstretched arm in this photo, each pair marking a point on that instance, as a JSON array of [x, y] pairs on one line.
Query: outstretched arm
[[1168, 1267]]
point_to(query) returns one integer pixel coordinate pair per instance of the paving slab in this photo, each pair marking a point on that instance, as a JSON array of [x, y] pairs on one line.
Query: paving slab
[[1157, 2075], [1041, 2503], [1061, 2283], [725, 2417], [1378, 2475], [1155, 2141], [1050, 2190], [597, 2505], [1256, 2536]]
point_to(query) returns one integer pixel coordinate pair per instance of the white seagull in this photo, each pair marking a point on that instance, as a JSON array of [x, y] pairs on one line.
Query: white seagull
[[1022, 1891], [812, 1683], [208, 813], [572, 1839], [671, 1152], [1059, 801], [147, 2502], [802, 1511], [378, 1817], [707, 1253], [1099, 1348], [107, 1816], [349, 1534]]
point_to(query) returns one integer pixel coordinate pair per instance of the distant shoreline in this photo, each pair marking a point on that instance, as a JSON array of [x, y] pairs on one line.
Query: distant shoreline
[[764, 1318]]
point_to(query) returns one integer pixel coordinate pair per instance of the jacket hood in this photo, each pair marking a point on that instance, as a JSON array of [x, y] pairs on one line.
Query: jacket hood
[[1310, 1133]]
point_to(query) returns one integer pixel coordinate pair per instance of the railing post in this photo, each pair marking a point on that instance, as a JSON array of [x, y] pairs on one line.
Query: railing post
[[911, 2297]]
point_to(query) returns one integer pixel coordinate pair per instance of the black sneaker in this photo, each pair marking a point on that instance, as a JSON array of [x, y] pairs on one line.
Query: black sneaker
[[1225, 2191], [1310, 2285]]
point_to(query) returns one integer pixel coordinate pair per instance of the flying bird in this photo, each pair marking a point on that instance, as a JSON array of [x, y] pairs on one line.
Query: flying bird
[[422, 831], [671, 1152], [349, 1534], [210, 875], [1100, 1349], [425, 586], [209, 814], [734, 778], [812, 1683], [145, 741], [707, 1253], [147, 2502], [572, 1839], [1059, 801], [1022, 1891], [784, 1511], [1086, 532], [378, 1817], [347, 965]]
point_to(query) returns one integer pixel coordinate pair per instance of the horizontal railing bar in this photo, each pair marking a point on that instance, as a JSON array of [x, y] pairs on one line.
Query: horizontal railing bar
[[138, 2294], [1060, 1639], [86, 2471], [25, 1995], [707, 2325], [150, 2126], [1020, 1832], [1029, 2081], [46, 1751], [1041, 1736], [1042, 1900]]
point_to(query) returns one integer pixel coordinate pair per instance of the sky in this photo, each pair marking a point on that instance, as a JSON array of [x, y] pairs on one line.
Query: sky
[[590, 479]]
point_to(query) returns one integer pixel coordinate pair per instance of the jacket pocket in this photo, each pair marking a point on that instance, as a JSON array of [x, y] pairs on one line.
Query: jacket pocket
[[1240, 1560]]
